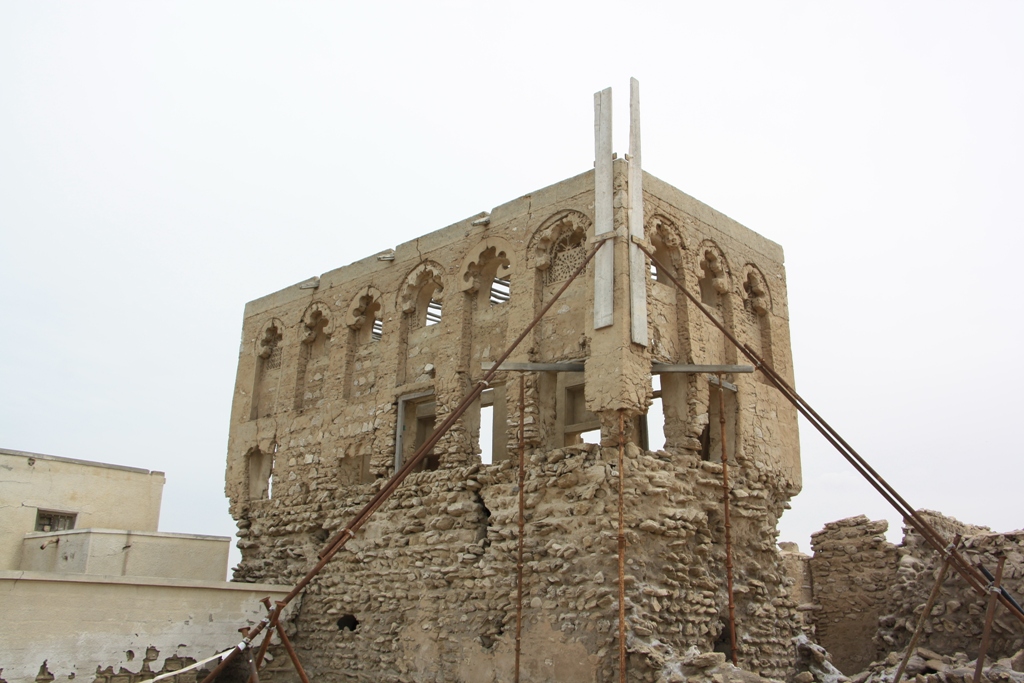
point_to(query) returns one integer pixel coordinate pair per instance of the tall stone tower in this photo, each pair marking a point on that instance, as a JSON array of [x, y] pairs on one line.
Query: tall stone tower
[[342, 377]]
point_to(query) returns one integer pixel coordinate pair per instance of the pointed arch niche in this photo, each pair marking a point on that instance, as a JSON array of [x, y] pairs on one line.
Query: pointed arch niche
[[365, 322], [715, 287], [420, 299], [314, 355], [267, 377], [669, 333], [485, 279], [757, 307], [556, 249]]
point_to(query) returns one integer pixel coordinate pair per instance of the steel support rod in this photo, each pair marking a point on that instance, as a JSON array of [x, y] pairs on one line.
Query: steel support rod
[[990, 613], [244, 645], [622, 550], [522, 521], [909, 514], [291, 653], [728, 524], [947, 556]]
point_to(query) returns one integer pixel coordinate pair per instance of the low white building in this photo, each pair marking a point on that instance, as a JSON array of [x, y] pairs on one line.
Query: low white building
[[91, 588]]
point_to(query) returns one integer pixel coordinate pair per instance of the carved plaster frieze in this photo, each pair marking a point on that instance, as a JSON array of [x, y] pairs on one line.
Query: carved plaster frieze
[[552, 229], [755, 289], [479, 257], [355, 317], [419, 277]]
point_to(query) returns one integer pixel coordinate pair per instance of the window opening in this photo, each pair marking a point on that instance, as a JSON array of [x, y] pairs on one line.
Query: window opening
[[567, 254], [417, 420], [48, 520], [487, 434], [501, 291], [581, 425], [663, 255], [261, 467], [433, 312], [377, 330], [653, 423], [711, 435]]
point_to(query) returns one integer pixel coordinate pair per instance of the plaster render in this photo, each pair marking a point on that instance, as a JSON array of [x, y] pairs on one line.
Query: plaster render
[[117, 552], [431, 578], [94, 492], [78, 627]]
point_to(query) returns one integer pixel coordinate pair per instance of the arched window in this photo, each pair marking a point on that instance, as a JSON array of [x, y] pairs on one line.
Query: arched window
[[713, 280], [314, 355], [567, 253], [267, 370], [260, 468], [366, 316], [487, 273], [421, 295]]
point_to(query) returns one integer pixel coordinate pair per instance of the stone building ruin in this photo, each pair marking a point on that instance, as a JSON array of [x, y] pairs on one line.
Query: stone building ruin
[[340, 379]]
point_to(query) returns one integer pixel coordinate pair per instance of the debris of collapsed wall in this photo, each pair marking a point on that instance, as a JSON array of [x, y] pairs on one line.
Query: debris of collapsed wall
[[869, 594]]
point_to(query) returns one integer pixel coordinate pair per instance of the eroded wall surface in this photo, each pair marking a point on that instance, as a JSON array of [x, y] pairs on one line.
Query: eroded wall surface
[[340, 377], [870, 593], [113, 628]]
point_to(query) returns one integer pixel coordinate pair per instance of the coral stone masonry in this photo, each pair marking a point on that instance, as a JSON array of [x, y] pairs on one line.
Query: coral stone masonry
[[341, 378]]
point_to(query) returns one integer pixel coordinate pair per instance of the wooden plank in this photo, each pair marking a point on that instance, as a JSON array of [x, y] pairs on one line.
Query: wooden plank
[[604, 261], [536, 367], [637, 263], [658, 368]]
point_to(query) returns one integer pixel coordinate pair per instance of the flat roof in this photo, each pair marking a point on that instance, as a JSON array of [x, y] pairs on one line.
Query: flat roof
[[75, 461]]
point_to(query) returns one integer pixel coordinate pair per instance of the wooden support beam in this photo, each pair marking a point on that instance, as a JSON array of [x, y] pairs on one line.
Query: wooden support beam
[[604, 262], [658, 368], [637, 262], [536, 367]]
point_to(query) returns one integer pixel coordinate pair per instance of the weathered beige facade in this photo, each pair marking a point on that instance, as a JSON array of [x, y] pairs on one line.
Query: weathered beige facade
[[869, 595], [342, 376], [35, 487]]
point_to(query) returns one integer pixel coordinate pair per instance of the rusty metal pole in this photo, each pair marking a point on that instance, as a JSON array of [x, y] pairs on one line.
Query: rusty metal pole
[[522, 520], [622, 550], [990, 614], [967, 571], [291, 653], [927, 608], [728, 522], [254, 676], [244, 645]]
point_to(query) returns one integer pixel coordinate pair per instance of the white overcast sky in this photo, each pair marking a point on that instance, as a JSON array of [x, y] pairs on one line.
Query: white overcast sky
[[161, 164]]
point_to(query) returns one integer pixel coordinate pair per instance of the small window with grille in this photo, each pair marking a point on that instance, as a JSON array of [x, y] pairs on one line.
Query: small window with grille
[[48, 520]]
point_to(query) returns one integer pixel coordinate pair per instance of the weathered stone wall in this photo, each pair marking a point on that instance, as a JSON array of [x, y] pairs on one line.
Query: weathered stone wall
[[869, 593], [852, 572], [330, 369], [956, 621]]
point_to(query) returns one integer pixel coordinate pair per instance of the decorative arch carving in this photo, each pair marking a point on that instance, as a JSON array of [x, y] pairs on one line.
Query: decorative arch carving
[[268, 351], [667, 241], [362, 303], [755, 290], [476, 262], [713, 271], [419, 277], [317, 318], [269, 339], [564, 223]]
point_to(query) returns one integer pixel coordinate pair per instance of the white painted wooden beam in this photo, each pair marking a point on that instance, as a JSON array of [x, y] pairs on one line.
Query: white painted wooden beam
[[637, 263], [604, 261]]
